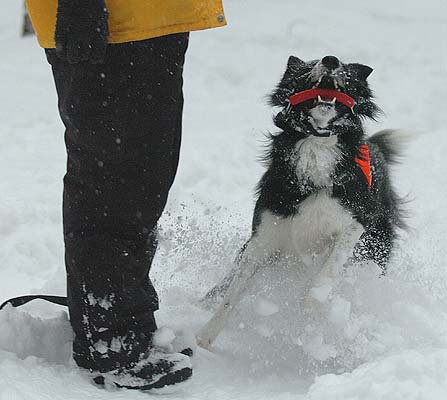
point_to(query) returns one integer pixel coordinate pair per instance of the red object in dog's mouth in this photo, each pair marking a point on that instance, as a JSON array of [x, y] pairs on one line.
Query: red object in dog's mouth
[[327, 94]]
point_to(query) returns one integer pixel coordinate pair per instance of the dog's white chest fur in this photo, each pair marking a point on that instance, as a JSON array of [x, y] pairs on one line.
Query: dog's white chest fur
[[310, 233], [315, 159]]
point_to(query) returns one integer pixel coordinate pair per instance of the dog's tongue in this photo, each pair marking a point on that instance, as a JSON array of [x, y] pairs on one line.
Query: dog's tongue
[[329, 94]]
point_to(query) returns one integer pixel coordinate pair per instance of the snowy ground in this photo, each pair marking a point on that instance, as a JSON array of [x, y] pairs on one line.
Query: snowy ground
[[374, 339]]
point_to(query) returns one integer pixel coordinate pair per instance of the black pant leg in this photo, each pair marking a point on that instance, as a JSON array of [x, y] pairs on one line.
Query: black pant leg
[[123, 131]]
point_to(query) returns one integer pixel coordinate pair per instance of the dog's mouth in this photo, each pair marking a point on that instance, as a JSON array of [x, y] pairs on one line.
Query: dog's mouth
[[327, 90], [324, 103], [329, 82]]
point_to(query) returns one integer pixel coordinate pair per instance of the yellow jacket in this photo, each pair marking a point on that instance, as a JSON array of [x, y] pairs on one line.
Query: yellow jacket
[[131, 20]]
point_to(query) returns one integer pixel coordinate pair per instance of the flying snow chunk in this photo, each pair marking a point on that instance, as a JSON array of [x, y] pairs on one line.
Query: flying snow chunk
[[265, 331], [184, 339], [163, 337], [265, 308], [321, 293], [318, 349], [340, 311]]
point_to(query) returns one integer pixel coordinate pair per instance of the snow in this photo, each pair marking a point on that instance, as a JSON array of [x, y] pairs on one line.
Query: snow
[[409, 375], [163, 337], [340, 311], [264, 308], [365, 337], [27, 336], [322, 292]]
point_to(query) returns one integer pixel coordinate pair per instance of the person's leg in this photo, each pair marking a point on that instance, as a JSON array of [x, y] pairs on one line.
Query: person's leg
[[123, 129]]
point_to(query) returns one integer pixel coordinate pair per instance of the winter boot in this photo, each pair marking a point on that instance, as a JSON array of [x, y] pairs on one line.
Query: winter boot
[[155, 370]]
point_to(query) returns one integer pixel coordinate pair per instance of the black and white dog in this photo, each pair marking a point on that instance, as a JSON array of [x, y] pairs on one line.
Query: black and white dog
[[326, 196]]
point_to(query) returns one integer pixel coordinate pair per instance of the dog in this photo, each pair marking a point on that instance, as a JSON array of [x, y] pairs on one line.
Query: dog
[[326, 197]]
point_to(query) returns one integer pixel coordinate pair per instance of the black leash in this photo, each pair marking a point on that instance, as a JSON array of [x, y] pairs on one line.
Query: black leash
[[20, 301]]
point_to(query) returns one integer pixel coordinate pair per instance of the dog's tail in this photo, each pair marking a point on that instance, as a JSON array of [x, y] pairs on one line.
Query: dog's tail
[[392, 143]]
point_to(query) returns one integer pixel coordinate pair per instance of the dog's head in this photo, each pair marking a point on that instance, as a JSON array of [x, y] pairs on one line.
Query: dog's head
[[321, 92]]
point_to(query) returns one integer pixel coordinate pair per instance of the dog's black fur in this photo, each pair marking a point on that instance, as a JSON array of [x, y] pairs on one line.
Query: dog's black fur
[[281, 191]]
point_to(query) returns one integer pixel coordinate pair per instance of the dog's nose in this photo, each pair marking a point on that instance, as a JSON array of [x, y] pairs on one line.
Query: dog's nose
[[330, 62]]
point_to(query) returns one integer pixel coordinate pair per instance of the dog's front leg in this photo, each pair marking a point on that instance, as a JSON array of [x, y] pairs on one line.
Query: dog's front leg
[[248, 266], [341, 253]]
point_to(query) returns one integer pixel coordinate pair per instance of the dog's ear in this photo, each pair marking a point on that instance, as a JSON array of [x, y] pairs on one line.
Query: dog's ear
[[294, 62], [286, 87], [363, 70]]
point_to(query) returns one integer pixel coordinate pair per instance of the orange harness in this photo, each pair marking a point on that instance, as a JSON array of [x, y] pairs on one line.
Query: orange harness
[[364, 162]]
